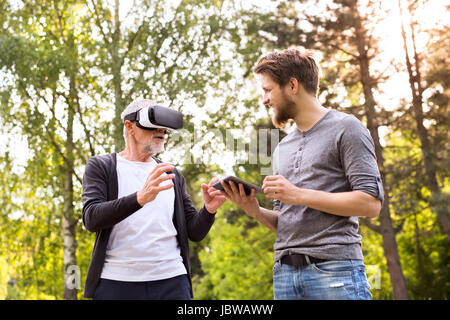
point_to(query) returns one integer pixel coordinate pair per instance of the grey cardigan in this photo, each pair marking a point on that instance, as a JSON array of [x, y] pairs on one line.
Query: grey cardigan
[[102, 210]]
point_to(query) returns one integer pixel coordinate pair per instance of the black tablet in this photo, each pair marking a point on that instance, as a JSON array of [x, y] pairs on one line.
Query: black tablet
[[247, 186]]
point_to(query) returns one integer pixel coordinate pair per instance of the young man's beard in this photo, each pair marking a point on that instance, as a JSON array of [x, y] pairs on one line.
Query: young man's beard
[[284, 112]]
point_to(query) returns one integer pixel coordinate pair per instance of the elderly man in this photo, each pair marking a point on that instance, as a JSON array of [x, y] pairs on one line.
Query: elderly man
[[141, 214]]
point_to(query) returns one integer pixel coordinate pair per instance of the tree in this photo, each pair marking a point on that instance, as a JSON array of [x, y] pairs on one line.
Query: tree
[[414, 65], [422, 245], [157, 51], [236, 262], [342, 35], [368, 83], [61, 79]]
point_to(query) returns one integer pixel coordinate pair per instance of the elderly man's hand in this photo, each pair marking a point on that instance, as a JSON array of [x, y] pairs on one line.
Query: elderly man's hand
[[212, 197], [153, 184]]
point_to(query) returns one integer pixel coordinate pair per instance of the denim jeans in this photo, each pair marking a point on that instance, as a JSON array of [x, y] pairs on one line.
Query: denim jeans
[[329, 280]]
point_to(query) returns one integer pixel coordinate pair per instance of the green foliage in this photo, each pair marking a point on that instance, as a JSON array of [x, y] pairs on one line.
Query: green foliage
[[376, 266], [237, 261], [63, 60], [60, 82]]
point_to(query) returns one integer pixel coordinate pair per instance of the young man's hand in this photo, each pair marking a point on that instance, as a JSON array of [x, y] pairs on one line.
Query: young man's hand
[[278, 187], [238, 196]]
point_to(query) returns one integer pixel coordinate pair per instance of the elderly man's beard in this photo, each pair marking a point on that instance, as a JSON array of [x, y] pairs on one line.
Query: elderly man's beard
[[154, 147], [284, 112]]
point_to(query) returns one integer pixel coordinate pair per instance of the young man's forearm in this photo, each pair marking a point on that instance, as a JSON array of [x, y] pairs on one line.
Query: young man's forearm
[[269, 218], [347, 204], [353, 203]]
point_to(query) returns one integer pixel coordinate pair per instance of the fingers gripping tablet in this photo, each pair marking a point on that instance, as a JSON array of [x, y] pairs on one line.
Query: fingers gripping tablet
[[247, 186]]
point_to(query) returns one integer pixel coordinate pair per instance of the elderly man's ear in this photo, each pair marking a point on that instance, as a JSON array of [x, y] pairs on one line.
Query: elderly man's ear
[[129, 126]]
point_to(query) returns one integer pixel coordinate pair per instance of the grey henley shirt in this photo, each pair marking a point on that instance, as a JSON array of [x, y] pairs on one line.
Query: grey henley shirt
[[335, 155]]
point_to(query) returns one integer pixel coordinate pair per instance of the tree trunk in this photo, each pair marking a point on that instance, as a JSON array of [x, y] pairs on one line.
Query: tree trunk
[[116, 66], [387, 231], [68, 219], [420, 269], [391, 253], [119, 141], [427, 153]]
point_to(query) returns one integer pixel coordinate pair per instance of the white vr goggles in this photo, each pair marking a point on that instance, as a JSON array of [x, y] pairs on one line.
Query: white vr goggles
[[154, 117]]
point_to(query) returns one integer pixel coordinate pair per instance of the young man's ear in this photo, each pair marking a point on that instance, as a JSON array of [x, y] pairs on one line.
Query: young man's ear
[[293, 85]]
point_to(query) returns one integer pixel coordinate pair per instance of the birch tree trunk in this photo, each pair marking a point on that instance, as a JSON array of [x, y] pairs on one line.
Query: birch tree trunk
[[68, 217], [117, 63]]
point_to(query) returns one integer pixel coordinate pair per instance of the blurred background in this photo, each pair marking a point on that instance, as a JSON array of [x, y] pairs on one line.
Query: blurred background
[[69, 68]]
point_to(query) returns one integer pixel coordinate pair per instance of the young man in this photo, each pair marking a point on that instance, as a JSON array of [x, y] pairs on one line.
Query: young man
[[325, 176], [142, 216]]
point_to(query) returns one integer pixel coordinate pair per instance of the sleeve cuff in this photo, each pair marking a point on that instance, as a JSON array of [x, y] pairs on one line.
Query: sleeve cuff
[[371, 185], [211, 213]]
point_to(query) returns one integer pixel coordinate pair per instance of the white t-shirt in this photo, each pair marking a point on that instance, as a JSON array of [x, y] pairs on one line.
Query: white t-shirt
[[143, 247]]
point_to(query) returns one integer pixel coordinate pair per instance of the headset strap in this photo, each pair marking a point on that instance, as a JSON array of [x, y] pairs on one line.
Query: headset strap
[[131, 116]]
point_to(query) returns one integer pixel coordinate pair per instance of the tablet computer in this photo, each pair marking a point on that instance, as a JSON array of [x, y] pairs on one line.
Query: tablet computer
[[247, 186]]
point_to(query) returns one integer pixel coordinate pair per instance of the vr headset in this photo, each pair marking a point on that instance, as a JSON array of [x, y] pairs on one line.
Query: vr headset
[[154, 117]]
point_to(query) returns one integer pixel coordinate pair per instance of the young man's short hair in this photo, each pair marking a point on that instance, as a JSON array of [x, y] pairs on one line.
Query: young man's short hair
[[291, 63]]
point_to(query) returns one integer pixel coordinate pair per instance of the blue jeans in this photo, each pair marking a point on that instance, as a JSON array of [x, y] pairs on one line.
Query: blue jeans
[[329, 280]]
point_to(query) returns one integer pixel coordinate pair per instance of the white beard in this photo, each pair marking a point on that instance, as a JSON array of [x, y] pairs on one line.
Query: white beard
[[154, 148]]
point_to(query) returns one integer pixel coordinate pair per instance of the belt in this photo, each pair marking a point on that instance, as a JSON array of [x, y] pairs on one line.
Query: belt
[[299, 260]]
